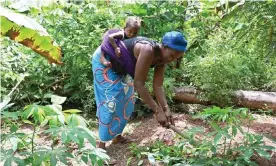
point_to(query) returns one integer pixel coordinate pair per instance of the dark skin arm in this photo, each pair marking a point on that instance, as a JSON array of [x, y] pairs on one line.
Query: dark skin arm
[[144, 60], [158, 80], [158, 85]]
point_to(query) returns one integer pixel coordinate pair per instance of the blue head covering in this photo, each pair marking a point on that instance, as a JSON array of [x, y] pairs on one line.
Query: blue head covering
[[175, 40]]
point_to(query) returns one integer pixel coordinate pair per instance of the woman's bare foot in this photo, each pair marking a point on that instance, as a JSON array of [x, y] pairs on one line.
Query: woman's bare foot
[[121, 140], [102, 145], [109, 162]]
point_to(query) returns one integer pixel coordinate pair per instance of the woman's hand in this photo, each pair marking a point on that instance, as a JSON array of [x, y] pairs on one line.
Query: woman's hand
[[161, 118], [168, 114]]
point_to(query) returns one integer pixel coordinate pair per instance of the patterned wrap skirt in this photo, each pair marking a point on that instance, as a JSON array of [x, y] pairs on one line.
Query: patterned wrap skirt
[[114, 96]]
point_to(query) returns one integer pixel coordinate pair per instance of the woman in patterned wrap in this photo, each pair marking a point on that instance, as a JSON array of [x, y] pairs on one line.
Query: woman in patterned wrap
[[114, 85]]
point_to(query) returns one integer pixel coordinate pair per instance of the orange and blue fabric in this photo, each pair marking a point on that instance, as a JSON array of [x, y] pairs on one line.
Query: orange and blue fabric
[[114, 96]]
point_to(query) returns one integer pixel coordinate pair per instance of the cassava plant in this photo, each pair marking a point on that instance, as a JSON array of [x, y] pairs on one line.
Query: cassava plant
[[63, 130]]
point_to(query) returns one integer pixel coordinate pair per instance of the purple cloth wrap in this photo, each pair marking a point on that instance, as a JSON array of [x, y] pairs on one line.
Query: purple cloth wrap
[[126, 59]]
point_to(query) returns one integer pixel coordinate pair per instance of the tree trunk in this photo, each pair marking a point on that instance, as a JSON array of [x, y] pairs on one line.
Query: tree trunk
[[250, 99]]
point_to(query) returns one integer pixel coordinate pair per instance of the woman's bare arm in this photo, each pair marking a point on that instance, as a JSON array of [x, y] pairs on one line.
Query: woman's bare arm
[[144, 60], [158, 85], [145, 57], [159, 93]]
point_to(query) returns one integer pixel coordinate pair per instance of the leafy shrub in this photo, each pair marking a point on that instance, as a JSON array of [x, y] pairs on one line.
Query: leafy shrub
[[65, 126]]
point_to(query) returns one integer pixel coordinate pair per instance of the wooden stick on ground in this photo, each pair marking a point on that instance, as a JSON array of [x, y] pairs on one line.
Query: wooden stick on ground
[[194, 143], [177, 131]]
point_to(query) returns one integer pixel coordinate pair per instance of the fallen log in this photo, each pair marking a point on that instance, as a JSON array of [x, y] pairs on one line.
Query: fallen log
[[249, 99]]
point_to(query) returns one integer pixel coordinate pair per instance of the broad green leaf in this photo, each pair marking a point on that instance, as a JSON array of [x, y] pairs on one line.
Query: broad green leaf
[[53, 122], [14, 142], [140, 162], [129, 160], [26, 5], [8, 162], [11, 115], [26, 31], [215, 126], [250, 138], [72, 111], [44, 122], [196, 130], [57, 99], [243, 113], [89, 135], [53, 160], [217, 138], [267, 147], [28, 122], [84, 158], [41, 114], [59, 117], [214, 149], [56, 108], [81, 139], [49, 111], [46, 45], [67, 154], [72, 120], [53, 130], [63, 137], [100, 162], [100, 153], [38, 40], [263, 153], [62, 158], [225, 133], [33, 109], [13, 128], [5, 27], [151, 159], [73, 138], [19, 161], [93, 158], [28, 111], [5, 102], [248, 153], [81, 121]]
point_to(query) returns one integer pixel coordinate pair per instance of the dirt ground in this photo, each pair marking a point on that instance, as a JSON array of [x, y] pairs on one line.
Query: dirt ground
[[147, 131]]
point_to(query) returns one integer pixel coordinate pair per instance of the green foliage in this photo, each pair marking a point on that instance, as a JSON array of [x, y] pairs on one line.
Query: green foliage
[[79, 33], [214, 148], [226, 115], [233, 52], [68, 127], [222, 71], [231, 46], [20, 63]]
